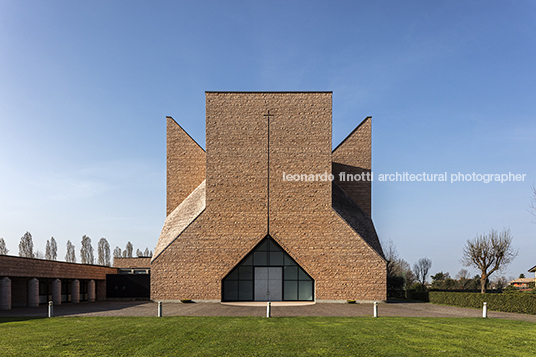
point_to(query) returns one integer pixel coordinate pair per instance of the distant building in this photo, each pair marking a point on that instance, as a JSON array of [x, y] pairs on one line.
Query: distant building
[[133, 280], [521, 283], [30, 282], [269, 211]]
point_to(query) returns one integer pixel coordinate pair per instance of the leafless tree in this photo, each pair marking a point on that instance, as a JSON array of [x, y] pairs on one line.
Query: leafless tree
[[489, 253], [51, 251], [3, 247], [147, 252], [532, 207], [86, 251], [129, 250], [26, 246], [117, 252], [407, 273], [139, 253], [103, 250], [391, 255], [38, 254], [463, 278], [70, 256], [500, 282], [421, 269]]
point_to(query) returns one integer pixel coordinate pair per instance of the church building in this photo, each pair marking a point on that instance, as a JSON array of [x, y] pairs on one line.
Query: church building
[[268, 212]]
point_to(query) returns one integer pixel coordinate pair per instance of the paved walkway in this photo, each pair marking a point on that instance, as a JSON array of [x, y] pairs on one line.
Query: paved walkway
[[131, 308]]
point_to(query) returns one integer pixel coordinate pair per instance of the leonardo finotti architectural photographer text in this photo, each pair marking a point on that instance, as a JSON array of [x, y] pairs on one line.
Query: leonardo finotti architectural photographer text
[[407, 177]]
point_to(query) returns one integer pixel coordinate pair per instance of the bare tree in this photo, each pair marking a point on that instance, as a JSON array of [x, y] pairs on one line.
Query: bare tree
[[117, 252], [532, 207], [147, 253], [463, 278], [86, 251], [129, 250], [51, 250], [3, 247], [462, 274], [38, 254], [26, 246], [125, 254], [407, 273], [103, 250], [139, 253], [489, 253], [70, 256], [391, 255], [421, 269]]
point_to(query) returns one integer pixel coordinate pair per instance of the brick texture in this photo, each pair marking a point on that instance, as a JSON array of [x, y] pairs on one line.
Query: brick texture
[[37, 268], [353, 157], [131, 263], [185, 165], [247, 198]]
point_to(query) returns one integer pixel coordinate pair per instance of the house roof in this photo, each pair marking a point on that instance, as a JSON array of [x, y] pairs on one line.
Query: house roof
[[522, 280], [533, 269]]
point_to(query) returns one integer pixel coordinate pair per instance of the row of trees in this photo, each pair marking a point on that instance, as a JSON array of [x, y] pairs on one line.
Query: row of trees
[[463, 281], [489, 253], [26, 249]]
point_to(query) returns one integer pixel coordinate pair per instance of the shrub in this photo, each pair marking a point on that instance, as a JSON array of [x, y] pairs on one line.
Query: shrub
[[522, 303], [418, 295], [510, 289]]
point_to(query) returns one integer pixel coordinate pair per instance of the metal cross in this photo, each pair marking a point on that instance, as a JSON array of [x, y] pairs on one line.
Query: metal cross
[[268, 115]]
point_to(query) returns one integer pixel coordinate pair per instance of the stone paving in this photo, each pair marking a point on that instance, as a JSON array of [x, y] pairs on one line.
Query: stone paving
[[145, 308]]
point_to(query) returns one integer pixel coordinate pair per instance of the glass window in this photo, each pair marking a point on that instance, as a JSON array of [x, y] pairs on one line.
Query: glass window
[[303, 275], [245, 290], [233, 275], [264, 246], [276, 258], [230, 290], [260, 258], [273, 246], [306, 290], [288, 260], [245, 273], [248, 261], [290, 290], [240, 284], [291, 273]]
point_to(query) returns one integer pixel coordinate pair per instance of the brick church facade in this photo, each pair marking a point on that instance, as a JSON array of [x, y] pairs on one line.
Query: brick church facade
[[256, 217]]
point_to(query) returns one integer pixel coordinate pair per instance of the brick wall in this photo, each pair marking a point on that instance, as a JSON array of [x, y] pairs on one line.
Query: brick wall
[[142, 263], [240, 187], [11, 266], [354, 157], [185, 165]]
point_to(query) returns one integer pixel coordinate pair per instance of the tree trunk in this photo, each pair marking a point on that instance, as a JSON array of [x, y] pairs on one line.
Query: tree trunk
[[483, 280]]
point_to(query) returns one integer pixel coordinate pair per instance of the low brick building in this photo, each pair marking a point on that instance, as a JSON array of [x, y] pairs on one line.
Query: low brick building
[[30, 282], [269, 211]]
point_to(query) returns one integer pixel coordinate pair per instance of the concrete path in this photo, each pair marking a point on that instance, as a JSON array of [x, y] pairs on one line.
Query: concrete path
[[130, 308]]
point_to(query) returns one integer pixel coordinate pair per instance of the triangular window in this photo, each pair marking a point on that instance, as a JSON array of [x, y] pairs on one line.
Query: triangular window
[[268, 273]]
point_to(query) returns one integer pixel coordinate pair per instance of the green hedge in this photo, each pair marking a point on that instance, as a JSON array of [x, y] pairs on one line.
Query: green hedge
[[523, 303]]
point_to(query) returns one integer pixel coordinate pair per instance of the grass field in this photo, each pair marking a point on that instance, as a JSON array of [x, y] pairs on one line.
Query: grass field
[[253, 336]]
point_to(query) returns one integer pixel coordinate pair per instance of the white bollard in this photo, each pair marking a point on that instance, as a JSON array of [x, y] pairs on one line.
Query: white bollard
[[375, 309], [160, 309], [269, 309], [50, 309], [485, 310]]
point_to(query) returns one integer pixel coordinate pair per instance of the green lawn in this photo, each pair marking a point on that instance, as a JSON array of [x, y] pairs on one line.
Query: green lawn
[[253, 336]]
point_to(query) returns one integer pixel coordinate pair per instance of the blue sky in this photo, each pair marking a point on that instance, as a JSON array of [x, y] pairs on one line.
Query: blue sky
[[85, 88]]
